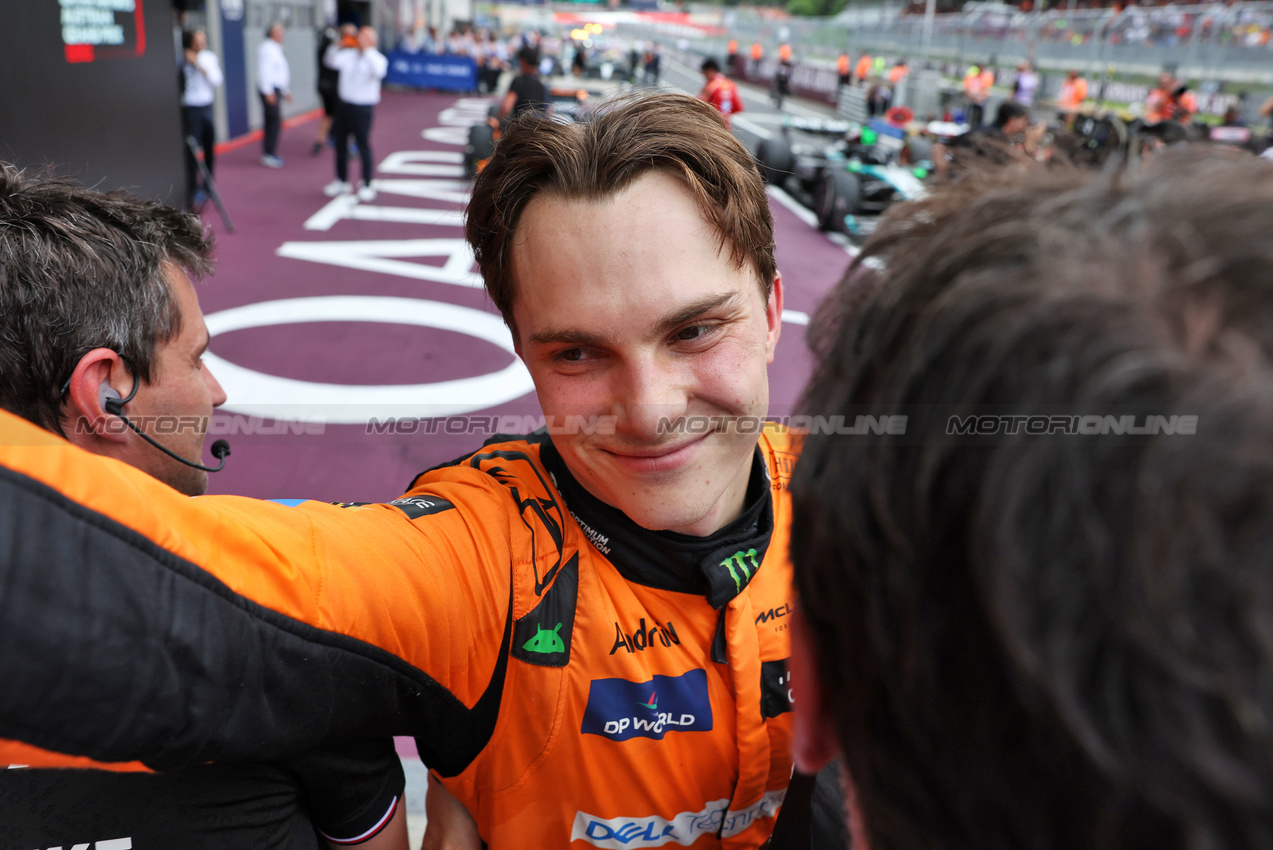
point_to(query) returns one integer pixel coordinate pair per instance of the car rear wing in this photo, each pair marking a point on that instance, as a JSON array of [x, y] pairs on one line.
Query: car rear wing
[[819, 126]]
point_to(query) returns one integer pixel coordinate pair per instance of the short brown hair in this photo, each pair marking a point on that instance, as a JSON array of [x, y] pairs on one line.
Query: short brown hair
[[1050, 641], [625, 140]]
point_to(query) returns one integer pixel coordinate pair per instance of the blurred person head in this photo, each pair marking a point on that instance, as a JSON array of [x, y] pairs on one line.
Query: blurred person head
[[1012, 118], [367, 38], [195, 40], [96, 297], [710, 68], [1060, 641], [632, 258], [528, 59], [1072, 74], [1167, 81], [275, 32]]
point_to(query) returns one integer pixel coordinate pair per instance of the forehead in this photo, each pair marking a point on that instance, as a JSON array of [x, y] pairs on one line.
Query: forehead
[[633, 255], [186, 300]]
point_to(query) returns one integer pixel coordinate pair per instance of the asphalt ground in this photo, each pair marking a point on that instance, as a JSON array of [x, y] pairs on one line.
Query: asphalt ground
[[326, 314]]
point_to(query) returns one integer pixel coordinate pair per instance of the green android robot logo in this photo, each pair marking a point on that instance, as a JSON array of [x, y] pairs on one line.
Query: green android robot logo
[[545, 641]]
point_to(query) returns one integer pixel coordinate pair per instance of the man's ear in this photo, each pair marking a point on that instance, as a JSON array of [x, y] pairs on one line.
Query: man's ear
[[773, 316], [814, 742], [84, 414]]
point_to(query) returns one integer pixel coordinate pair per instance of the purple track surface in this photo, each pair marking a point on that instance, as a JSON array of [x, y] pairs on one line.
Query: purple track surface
[[327, 362]]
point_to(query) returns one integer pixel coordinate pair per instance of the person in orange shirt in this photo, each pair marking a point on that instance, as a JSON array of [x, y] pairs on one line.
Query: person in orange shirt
[[719, 90], [898, 72], [844, 69], [731, 60], [977, 83], [1171, 101], [1073, 93], [863, 70], [784, 53], [757, 51]]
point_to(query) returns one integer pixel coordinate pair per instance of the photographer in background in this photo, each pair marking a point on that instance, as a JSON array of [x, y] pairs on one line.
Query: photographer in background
[[200, 78]]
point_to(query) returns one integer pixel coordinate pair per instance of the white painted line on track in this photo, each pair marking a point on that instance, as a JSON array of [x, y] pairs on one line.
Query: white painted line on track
[[797, 209], [807, 216], [750, 127]]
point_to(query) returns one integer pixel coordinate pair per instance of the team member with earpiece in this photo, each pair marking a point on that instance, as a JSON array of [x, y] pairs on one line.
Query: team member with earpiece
[[101, 340]]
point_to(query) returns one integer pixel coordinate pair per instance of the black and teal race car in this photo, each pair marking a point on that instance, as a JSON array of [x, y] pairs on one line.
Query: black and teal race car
[[846, 173]]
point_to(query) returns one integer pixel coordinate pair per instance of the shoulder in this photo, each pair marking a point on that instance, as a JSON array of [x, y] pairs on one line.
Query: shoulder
[[502, 462]]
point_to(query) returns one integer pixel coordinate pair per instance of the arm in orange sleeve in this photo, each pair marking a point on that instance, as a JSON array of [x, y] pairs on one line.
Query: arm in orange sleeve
[[139, 624]]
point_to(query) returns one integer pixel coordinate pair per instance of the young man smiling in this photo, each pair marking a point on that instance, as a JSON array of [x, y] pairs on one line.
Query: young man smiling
[[584, 632]]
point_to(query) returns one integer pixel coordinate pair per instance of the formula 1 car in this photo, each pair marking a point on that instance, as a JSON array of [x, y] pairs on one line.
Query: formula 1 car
[[847, 173], [571, 101]]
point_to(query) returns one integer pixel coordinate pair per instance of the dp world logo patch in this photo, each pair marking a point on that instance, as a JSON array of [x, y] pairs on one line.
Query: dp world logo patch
[[620, 710]]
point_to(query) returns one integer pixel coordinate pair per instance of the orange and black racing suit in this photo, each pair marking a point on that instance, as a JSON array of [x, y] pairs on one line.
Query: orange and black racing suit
[[575, 679]]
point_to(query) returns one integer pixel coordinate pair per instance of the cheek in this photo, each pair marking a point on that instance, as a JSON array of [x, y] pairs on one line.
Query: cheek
[[562, 395], [732, 376]]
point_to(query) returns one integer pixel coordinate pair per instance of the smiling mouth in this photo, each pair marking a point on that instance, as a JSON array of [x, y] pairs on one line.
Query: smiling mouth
[[656, 458]]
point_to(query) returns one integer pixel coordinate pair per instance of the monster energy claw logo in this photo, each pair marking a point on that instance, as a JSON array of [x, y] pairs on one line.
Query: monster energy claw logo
[[739, 563]]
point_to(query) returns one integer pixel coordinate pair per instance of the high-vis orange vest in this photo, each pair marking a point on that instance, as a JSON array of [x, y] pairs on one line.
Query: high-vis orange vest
[[576, 680], [864, 67], [1073, 93]]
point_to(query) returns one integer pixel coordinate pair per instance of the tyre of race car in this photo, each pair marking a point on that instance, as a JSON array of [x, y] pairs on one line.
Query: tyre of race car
[[838, 194], [774, 157], [480, 146], [921, 149]]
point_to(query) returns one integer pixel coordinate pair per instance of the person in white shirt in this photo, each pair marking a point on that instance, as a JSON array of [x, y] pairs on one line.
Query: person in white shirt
[[361, 70], [273, 82], [201, 77]]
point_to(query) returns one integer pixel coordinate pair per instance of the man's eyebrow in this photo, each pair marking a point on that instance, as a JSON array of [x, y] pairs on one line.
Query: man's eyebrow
[[571, 336], [693, 311], [574, 336]]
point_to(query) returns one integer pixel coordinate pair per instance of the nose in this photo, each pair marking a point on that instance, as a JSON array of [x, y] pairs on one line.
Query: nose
[[654, 396], [214, 387]]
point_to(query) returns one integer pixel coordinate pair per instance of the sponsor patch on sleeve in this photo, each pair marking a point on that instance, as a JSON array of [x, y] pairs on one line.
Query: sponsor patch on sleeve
[[417, 506]]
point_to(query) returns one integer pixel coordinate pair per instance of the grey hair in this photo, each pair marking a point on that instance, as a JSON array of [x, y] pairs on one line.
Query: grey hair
[[79, 270]]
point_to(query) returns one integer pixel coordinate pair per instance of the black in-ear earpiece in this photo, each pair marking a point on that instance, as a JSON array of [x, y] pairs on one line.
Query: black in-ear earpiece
[[112, 402]]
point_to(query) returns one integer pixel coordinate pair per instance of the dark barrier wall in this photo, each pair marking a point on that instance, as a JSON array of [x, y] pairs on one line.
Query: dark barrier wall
[[92, 88]]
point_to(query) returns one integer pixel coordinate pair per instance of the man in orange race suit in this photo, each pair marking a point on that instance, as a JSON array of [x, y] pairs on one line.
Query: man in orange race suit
[[586, 631]]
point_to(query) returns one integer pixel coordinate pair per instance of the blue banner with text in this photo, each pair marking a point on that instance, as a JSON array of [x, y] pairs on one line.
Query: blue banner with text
[[430, 71]]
